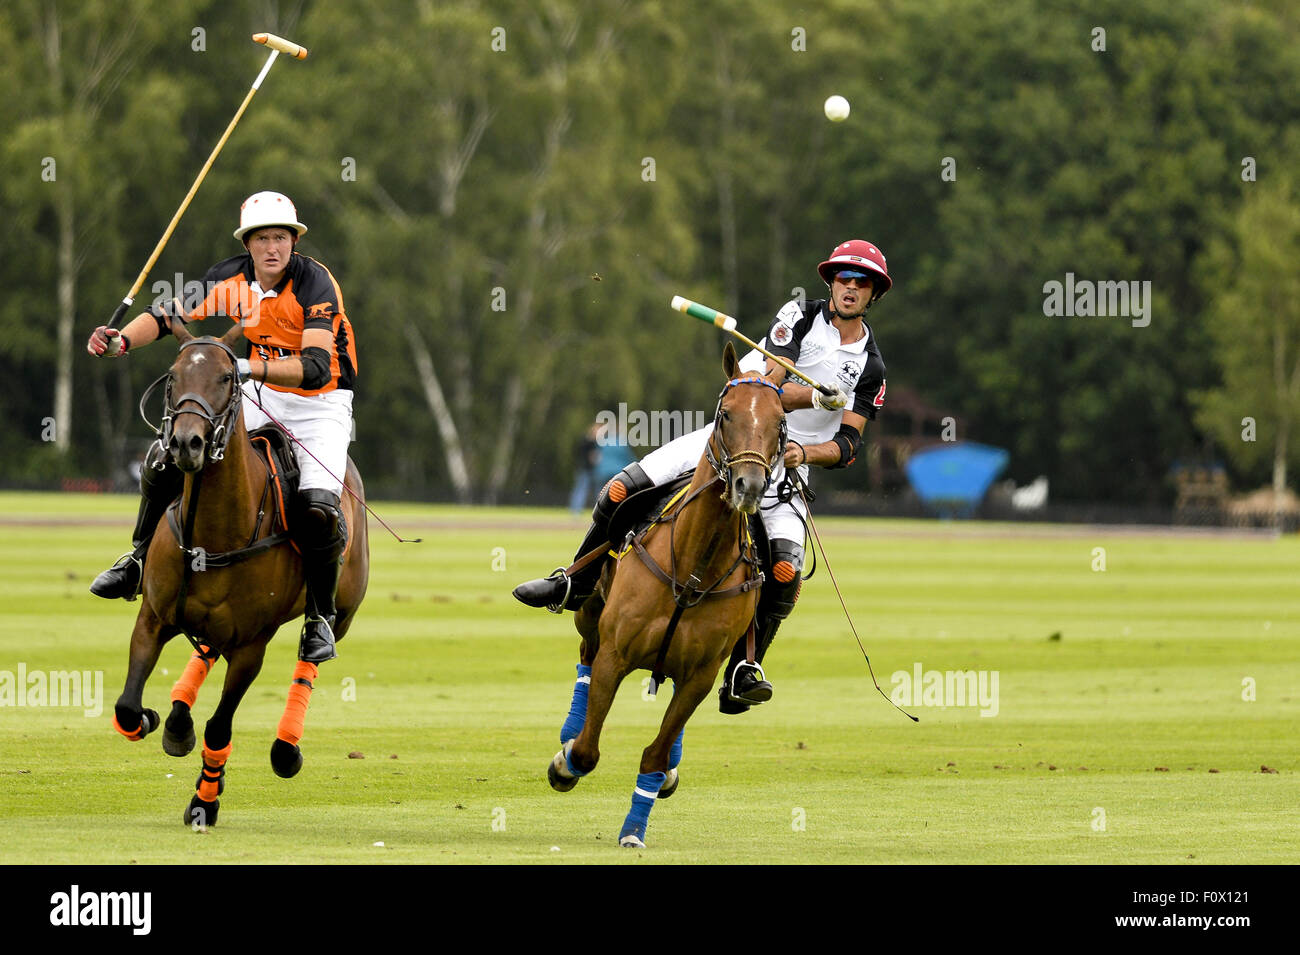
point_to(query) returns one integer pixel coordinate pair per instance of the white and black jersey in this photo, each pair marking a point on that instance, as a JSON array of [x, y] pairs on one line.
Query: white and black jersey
[[804, 336]]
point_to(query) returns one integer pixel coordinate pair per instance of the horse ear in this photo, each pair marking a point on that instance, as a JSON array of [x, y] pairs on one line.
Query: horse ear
[[729, 363], [182, 333], [232, 337]]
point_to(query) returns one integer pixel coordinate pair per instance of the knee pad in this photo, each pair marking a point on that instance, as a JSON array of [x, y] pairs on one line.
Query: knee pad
[[319, 516], [781, 588], [620, 487]]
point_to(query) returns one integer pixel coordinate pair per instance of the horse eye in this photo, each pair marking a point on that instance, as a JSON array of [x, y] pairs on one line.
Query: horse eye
[[726, 415], [226, 378]]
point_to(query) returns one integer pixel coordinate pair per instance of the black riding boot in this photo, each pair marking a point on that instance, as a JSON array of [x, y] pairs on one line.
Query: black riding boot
[[559, 592], [321, 535], [161, 482], [745, 683]]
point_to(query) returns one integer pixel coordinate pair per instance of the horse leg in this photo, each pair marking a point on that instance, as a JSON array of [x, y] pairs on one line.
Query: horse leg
[[674, 760], [130, 718], [244, 665], [657, 758], [178, 733], [586, 622], [286, 756], [578, 706], [580, 754]]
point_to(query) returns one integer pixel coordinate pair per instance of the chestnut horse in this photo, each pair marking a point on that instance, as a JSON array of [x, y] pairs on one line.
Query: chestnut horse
[[222, 570], [679, 598]]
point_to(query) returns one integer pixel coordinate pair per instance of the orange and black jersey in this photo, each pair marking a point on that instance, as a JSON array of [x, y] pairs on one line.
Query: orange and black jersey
[[306, 297]]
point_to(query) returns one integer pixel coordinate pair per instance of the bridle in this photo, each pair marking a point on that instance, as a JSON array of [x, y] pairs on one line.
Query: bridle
[[721, 458], [222, 423]]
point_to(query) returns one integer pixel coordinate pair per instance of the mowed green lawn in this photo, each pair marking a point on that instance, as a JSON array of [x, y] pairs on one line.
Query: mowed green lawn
[[1126, 739]]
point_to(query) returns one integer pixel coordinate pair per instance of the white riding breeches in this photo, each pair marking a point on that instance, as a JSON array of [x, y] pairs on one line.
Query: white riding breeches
[[323, 423]]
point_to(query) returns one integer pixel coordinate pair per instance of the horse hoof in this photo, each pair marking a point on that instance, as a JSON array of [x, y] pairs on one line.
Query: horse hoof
[[631, 842], [559, 782], [200, 814], [286, 759], [670, 784], [178, 732]]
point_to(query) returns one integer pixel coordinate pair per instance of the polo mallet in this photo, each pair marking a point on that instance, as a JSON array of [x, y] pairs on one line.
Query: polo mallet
[[728, 324], [278, 45]]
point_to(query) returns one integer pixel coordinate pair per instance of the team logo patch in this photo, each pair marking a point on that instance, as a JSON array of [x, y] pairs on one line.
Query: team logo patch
[[781, 334], [849, 372], [320, 310]]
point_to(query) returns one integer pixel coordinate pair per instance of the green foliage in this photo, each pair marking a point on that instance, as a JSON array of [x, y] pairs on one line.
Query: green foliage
[[440, 152], [1255, 326]]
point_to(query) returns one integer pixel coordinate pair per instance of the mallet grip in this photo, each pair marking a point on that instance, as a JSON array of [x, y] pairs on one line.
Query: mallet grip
[[281, 44], [704, 313], [119, 313]]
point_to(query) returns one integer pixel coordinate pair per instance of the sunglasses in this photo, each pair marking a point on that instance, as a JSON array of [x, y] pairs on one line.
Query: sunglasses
[[848, 275]]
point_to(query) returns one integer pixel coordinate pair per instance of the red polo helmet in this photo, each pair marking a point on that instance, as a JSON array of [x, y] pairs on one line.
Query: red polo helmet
[[858, 254]]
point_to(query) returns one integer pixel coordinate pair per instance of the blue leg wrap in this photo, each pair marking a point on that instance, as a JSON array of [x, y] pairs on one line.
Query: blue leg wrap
[[643, 800], [568, 760], [578, 708], [675, 754]]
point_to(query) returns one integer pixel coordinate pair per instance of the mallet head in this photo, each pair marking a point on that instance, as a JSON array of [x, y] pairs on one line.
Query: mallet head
[[281, 44]]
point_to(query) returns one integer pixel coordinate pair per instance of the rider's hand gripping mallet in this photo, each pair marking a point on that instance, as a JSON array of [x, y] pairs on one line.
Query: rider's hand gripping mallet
[[278, 45], [728, 324]]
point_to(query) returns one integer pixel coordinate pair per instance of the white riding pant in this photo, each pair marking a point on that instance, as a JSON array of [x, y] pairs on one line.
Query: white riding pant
[[323, 423], [781, 521]]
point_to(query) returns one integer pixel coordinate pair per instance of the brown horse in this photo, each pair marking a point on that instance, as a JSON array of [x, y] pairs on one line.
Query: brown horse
[[679, 609], [222, 571]]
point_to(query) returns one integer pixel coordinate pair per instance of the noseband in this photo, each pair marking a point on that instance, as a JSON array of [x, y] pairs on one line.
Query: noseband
[[222, 422], [722, 463]]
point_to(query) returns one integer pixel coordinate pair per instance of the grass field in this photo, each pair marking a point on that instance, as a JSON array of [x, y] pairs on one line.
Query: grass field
[[1121, 735]]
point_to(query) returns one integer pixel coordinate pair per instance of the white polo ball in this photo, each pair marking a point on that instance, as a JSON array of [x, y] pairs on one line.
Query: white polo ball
[[837, 109]]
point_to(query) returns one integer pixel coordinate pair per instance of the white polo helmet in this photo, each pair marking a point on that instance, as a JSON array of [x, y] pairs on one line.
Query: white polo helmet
[[264, 209]]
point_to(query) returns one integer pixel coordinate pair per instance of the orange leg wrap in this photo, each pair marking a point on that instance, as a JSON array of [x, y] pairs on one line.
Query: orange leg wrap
[[295, 708], [133, 735], [187, 687], [214, 763]]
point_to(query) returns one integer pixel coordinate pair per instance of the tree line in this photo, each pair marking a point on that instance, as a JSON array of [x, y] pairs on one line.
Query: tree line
[[509, 194]]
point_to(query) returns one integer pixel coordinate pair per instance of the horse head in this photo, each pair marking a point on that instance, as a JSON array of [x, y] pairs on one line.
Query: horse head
[[202, 399], [748, 435]]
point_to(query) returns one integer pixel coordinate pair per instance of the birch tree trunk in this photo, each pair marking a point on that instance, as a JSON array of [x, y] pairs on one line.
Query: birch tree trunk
[[442, 417]]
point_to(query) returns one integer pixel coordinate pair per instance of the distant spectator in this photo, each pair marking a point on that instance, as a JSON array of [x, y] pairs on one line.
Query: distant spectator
[[586, 464]]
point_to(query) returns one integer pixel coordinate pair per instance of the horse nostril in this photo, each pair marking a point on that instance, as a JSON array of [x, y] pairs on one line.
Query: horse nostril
[[196, 443]]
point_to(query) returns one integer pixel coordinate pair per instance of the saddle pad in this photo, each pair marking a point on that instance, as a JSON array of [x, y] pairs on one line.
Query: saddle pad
[[645, 507], [274, 445]]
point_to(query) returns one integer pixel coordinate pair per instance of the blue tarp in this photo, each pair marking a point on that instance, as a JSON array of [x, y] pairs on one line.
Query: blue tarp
[[953, 479]]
